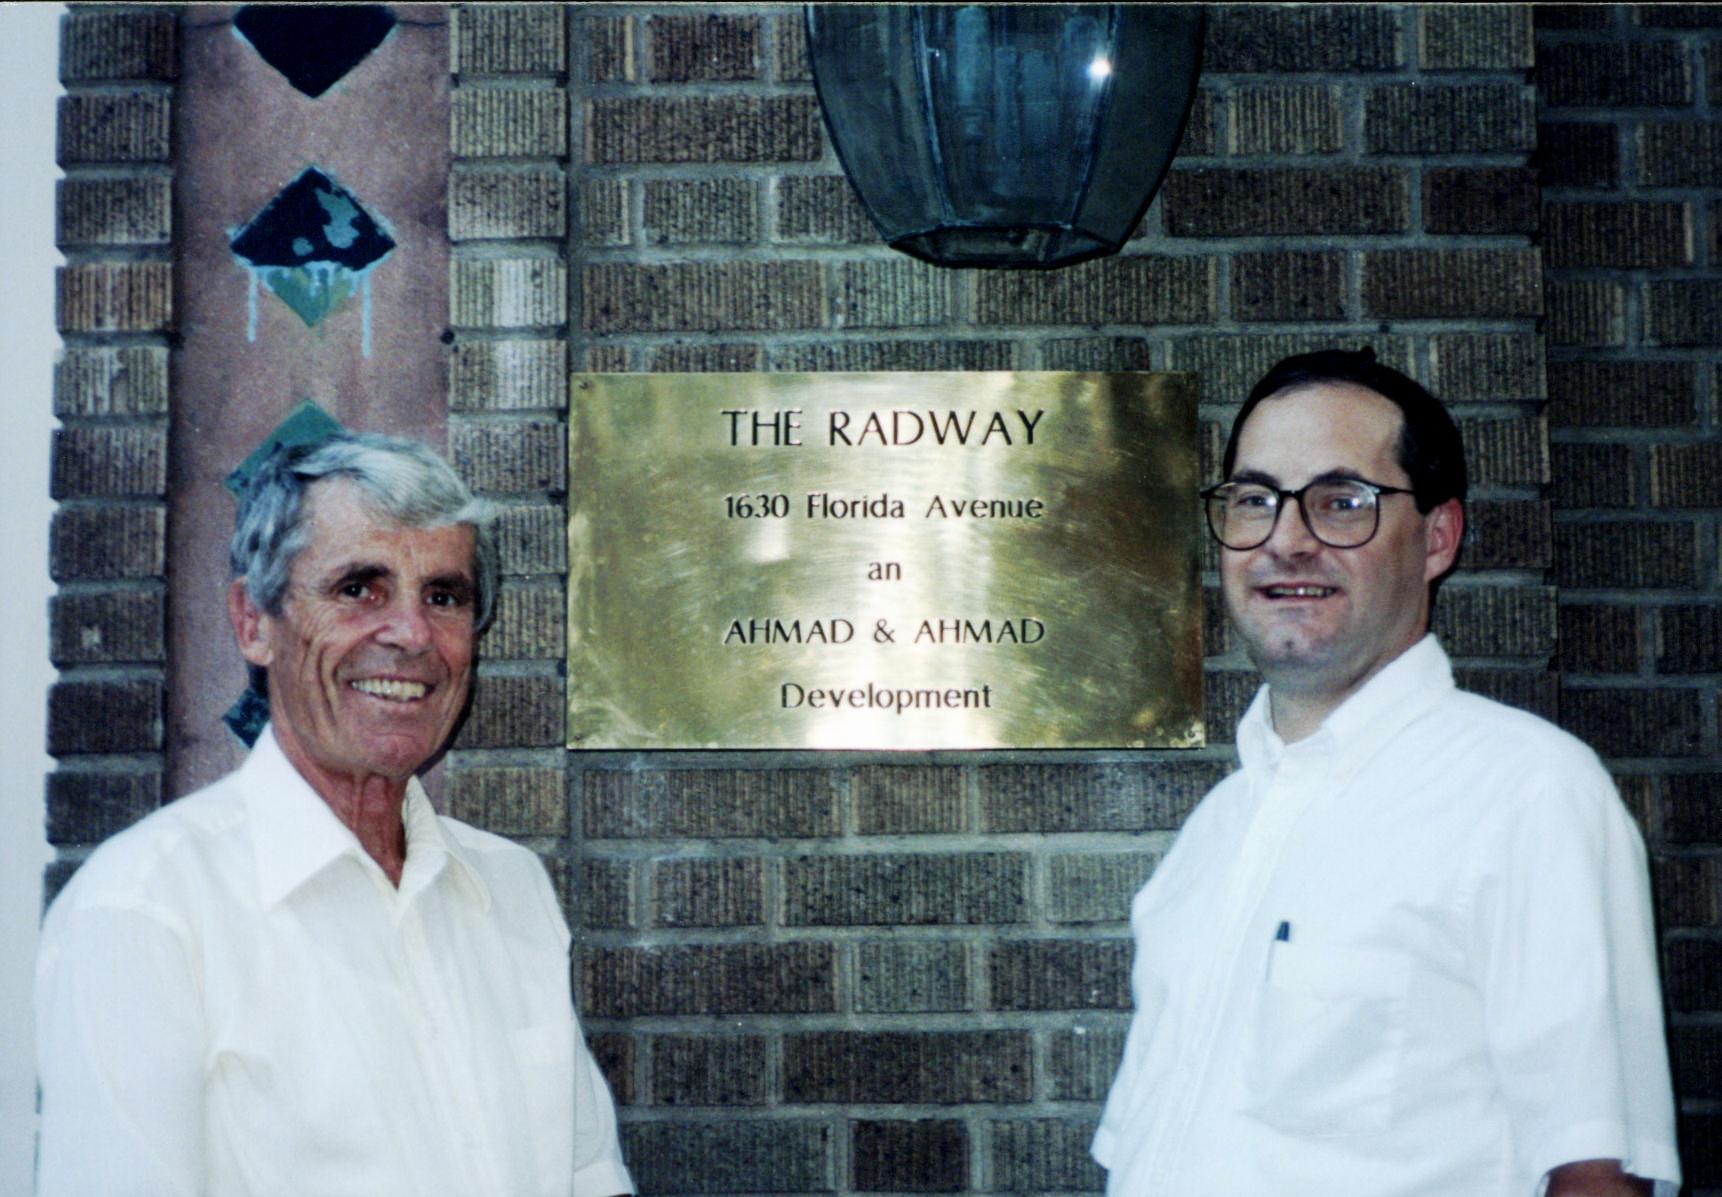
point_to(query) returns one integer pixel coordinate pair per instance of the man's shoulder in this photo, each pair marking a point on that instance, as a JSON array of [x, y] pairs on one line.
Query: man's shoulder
[[1506, 734], [511, 870]]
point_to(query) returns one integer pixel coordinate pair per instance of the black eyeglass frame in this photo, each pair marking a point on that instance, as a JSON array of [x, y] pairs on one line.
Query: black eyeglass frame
[[1281, 495]]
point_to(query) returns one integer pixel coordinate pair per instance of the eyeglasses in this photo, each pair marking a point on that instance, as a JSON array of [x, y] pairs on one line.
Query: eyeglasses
[[1342, 513]]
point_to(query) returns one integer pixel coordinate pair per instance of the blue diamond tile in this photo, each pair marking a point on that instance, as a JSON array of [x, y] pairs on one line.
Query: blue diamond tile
[[314, 45]]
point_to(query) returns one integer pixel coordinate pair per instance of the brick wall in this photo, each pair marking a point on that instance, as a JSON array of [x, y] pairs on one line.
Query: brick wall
[[822, 972], [1629, 159]]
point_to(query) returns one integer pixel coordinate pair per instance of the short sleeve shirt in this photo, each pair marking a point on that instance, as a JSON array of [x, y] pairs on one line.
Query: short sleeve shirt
[[1410, 955]]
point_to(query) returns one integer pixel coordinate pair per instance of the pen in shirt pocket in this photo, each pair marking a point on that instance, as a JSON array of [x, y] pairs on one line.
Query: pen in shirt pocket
[[1283, 935]]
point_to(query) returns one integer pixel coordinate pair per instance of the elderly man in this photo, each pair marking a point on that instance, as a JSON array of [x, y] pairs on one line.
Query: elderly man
[[302, 979], [1407, 948]]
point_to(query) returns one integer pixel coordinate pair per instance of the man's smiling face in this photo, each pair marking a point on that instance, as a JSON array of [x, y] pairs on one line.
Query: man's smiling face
[[371, 656], [1316, 620]]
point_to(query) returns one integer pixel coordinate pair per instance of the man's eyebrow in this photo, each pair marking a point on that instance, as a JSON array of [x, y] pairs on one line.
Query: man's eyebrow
[[355, 571], [462, 584], [1340, 474]]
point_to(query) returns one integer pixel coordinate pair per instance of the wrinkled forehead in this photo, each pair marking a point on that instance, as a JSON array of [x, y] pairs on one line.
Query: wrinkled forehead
[[342, 519]]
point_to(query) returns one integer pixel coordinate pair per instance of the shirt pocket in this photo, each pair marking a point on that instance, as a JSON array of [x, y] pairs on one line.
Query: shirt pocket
[[544, 1059], [1325, 1048]]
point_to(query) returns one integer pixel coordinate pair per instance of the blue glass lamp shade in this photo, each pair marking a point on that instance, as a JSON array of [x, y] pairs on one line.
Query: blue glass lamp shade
[[1005, 135]]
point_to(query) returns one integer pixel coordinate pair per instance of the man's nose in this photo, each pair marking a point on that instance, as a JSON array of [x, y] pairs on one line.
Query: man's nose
[[1291, 536], [406, 623]]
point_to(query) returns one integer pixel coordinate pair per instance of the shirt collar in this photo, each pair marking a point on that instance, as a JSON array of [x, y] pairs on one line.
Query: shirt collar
[[1405, 688], [297, 836]]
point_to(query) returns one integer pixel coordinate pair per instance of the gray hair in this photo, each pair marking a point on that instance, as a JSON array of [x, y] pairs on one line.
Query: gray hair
[[402, 479]]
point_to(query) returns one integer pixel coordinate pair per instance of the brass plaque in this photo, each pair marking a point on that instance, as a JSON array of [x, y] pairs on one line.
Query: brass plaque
[[884, 561]]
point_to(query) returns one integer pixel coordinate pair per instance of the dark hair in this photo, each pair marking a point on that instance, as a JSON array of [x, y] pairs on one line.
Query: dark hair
[[1430, 450]]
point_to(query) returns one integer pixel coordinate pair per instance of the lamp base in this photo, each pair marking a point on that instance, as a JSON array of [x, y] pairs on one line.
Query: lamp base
[[987, 245]]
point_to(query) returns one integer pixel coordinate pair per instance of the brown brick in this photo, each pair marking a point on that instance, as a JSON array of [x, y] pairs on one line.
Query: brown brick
[[821, 209], [905, 890], [1533, 691], [896, 293], [1231, 365], [1692, 975], [1044, 1155], [518, 456], [1585, 312], [849, 355], [530, 624], [1587, 475], [532, 539], [1597, 639], [606, 359], [770, 1155], [1689, 639], [707, 48], [109, 462], [1622, 393], [722, 892], [510, 800], [102, 128], [708, 1070], [1487, 367], [1634, 722], [514, 712], [1686, 475], [605, 213], [609, 48], [1080, 1063], [1226, 695], [1475, 37], [514, 375], [135, 211], [86, 806], [108, 46], [1496, 621], [708, 803], [1449, 118], [1622, 235], [1471, 200], [1695, 1054], [1145, 289], [721, 211], [508, 293], [1686, 889], [508, 122], [779, 978], [721, 358], [790, 63], [1626, 554], [922, 1068], [1095, 887], [1060, 974], [925, 1156], [1613, 74], [1096, 353], [1145, 796], [1465, 283], [1507, 534], [1574, 16], [105, 717], [499, 204], [1578, 154], [707, 129], [114, 297], [1241, 202], [1285, 119], [911, 977], [509, 39], [1507, 452], [702, 296], [108, 542], [1685, 312], [1290, 285], [908, 799], [1692, 808], [108, 627], [1200, 137], [126, 380], [1679, 153], [1676, 16], [604, 895], [1251, 39]]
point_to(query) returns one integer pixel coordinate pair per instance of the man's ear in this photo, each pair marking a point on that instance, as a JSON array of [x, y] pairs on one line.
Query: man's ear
[[250, 624], [1444, 531]]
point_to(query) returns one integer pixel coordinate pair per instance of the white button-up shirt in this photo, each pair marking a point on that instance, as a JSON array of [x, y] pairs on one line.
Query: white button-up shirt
[[1411, 954], [233, 999]]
